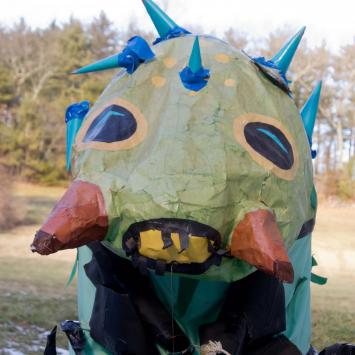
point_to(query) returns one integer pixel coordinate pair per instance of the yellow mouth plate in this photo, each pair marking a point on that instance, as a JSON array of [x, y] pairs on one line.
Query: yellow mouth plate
[[152, 246]]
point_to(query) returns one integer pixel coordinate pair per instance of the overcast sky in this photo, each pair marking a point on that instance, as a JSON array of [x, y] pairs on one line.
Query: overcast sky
[[333, 20]]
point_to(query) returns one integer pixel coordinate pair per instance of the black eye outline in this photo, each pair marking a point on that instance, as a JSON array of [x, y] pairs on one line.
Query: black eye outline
[[114, 124], [268, 143], [129, 136]]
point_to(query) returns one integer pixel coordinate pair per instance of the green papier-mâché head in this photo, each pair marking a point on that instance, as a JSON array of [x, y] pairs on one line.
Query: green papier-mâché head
[[195, 136]]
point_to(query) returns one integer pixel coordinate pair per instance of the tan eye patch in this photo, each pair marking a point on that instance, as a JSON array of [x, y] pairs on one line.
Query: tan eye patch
[[118, 126]]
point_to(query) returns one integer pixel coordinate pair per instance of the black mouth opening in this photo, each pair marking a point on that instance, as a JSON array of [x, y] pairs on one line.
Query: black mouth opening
[[167, 226], [173, 225]]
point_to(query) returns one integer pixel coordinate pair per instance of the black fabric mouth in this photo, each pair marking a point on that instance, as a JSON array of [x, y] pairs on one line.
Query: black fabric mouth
[[183, 227]]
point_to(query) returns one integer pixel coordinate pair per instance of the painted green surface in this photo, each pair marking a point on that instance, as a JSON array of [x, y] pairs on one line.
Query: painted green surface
[[190, 166]]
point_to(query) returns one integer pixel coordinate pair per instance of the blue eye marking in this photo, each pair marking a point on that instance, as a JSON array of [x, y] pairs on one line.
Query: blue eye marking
[[108, 115], [114, 114], [274, 138]]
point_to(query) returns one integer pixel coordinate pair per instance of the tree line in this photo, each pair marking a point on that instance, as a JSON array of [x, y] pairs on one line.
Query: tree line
[[35, 89]]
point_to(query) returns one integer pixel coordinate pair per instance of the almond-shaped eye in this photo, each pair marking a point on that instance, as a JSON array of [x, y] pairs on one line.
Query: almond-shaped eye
[[113, 124], [119, 125], [271, 143], [268, 143]]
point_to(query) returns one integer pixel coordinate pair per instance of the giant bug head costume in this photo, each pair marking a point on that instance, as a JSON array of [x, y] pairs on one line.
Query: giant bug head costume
[[192, 176]]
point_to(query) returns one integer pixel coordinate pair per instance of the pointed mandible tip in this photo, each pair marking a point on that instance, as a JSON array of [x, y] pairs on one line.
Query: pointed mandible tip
[[285, 55], [310, 110]]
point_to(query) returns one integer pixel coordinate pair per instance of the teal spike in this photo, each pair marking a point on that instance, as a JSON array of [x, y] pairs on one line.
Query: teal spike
[[103, 64], [310, 109], [162, 22], [195, 63], [194, 76], [73, 127], [285, 55], [74, 117]]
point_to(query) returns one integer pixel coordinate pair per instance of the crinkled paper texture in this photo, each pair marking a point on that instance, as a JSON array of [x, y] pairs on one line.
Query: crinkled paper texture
[[189, 164]]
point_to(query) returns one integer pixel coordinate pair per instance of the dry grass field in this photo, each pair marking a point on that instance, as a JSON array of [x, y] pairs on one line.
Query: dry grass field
[[34, 296], [334, 303]]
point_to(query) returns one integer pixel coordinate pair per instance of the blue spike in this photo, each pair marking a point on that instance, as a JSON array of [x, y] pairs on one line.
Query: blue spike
[[310, 109], [285, 55], [195, 63], [162, 22]]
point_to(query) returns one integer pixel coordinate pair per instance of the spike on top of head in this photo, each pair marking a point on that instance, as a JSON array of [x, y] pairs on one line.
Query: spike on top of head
[[195, 76], [276, 68], [310, 110], [284, 56], [195, 62], [165, 26]]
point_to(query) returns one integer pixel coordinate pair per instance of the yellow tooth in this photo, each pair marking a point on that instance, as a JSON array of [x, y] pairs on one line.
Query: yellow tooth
[[152, 246]]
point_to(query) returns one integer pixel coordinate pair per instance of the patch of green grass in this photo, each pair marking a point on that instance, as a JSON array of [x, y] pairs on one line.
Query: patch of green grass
[[35, 201], [33, 293], [332, 326], [35, 208], [34, 309], [40, 276], [33, 299], [333, 311], [25, 320]]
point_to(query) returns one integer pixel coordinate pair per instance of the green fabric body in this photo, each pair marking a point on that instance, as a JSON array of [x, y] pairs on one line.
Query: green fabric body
[[194, 302], [201, 301], [191, 307], [86, 297], [298, 295]]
